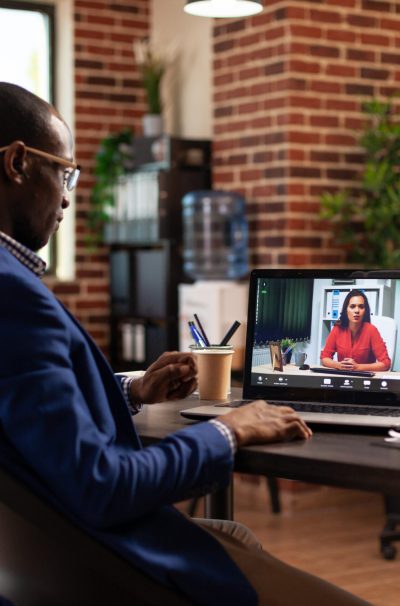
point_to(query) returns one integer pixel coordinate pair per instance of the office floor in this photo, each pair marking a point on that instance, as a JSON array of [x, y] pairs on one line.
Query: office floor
[[327, 531]]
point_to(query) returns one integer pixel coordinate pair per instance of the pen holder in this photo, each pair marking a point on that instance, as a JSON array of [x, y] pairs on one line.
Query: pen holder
[[214, 365]]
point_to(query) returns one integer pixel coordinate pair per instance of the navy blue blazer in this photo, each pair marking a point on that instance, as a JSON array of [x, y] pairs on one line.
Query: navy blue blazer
[[67, 432]]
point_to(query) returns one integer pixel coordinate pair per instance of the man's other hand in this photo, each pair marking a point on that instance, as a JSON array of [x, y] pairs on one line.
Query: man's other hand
[[171, 377], [260, 423]]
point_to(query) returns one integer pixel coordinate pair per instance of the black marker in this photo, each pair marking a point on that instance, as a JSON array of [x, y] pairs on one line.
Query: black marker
[[230, 333]]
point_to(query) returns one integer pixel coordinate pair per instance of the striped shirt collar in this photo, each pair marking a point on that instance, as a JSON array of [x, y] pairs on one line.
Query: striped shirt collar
[[26, 256]]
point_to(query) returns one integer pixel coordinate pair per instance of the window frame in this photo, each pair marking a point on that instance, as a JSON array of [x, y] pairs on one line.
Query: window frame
[[62, 95]]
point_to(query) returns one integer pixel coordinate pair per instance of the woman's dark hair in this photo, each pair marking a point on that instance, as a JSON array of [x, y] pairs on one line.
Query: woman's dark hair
[[343, 321]]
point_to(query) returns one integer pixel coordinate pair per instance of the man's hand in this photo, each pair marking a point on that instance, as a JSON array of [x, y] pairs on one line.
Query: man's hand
[[260, 423], [171, 377]]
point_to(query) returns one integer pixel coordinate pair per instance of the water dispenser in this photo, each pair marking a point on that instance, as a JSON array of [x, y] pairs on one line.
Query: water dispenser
[[215, 235]]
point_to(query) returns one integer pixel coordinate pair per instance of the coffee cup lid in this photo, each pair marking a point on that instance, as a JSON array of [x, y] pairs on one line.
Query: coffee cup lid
[[211, 349]]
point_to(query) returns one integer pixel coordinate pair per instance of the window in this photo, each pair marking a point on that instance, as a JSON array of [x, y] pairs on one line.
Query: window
[[32, 62], [45, 29], [32, 65]]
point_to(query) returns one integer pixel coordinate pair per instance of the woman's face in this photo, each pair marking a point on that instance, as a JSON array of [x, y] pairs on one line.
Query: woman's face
[[356, 310]]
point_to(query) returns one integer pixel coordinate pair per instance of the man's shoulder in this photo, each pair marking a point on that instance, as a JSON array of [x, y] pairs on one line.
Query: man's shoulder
[[6, 258], [16, 280], [8, 261], [10, 267]]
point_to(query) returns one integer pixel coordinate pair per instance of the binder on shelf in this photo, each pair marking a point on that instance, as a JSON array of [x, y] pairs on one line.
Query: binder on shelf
[[335, 304], [133, 342], [145, 233], [142, 343], [147, 202]]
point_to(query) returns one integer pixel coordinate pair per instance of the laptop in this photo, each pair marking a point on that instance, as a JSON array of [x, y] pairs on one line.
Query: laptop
[[302, 307]]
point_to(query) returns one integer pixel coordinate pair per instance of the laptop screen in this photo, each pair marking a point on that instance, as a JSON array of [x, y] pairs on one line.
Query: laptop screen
[[324, 335]]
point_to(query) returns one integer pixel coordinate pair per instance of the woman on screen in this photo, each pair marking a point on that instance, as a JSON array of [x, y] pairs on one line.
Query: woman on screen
[[357, 342]]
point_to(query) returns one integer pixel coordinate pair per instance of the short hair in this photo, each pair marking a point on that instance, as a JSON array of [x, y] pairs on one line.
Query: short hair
[[24, 116], [343, 321]]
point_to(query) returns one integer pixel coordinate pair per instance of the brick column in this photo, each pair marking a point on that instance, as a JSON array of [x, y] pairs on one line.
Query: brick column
[[288, 89], [108, 98]]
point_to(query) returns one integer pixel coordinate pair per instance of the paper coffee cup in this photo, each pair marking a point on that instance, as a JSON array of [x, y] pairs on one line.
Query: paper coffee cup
[[214, 371]]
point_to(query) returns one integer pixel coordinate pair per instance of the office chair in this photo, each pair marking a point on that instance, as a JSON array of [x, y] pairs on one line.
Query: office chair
[[274, 495], [391, 531], [387, 328], [45, 560]]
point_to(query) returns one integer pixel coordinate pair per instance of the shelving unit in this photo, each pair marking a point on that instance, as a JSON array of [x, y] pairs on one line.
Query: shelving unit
[[145, 238]]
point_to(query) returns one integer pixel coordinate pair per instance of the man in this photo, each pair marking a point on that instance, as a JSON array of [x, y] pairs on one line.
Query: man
[[66, 427]]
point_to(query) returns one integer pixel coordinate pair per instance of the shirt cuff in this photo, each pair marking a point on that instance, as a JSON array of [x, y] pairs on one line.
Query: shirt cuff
[[228, 434], [134, 407]]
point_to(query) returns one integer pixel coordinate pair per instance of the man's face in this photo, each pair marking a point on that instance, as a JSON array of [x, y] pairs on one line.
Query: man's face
[[41, 210]]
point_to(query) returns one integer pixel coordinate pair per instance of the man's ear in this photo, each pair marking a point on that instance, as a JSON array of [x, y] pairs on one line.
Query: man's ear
[[15, 162]]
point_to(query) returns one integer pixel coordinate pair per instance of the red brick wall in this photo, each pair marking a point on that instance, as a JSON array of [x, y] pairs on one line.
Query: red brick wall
[[108, 97], [287, 91], [288, 85]]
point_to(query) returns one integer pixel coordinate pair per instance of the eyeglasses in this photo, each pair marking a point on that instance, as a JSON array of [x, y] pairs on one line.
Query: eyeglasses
[[70, 177]]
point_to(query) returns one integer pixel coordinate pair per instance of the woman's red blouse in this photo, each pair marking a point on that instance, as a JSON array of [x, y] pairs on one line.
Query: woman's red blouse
[[367, 347]]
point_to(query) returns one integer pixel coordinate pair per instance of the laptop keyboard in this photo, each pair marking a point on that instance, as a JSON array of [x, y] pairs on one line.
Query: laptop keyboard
[[345, 373], [379, 411]]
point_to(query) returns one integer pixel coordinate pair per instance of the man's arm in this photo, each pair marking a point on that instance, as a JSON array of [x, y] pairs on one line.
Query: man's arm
[[55, 414], [73, 443]]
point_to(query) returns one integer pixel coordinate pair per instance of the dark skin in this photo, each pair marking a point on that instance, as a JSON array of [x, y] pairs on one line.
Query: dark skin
[[261, 423], [172, 376], [33, 201], [32, 192]]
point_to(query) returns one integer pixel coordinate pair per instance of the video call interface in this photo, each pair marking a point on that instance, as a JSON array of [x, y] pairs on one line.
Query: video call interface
[[301, 323]]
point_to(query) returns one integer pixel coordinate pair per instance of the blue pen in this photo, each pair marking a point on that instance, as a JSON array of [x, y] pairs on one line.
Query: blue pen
[[201, 330], [196, 335]]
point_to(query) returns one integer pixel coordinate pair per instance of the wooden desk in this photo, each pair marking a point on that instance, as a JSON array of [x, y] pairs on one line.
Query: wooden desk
[[344, 459]]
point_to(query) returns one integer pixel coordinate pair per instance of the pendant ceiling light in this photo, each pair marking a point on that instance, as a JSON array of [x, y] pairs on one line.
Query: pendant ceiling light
[[223, 8]]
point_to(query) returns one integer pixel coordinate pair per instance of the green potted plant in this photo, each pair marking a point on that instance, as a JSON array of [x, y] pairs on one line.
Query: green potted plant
[[287, 347], [366, 219], [113, 158], [152, 68]]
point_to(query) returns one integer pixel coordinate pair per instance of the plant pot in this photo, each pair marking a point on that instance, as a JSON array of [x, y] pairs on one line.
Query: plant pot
[[286, 358], [152, 125]]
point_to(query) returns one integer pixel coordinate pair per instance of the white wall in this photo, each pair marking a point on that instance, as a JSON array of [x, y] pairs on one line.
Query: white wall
[[188, 85]]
